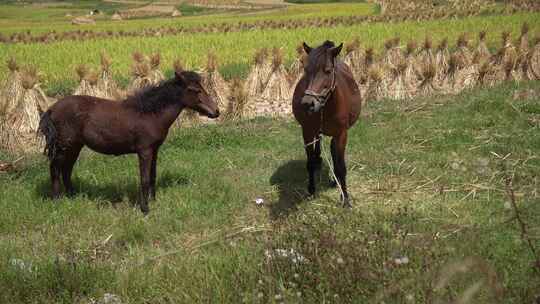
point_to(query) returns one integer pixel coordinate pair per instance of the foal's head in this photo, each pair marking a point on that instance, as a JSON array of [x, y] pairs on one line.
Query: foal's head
[[194, 96], [320, 72]]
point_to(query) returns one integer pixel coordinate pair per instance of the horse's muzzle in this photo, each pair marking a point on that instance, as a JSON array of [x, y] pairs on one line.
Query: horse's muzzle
[[311, 104]]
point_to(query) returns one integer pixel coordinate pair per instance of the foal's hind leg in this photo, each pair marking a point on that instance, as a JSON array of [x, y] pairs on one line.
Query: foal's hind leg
[[70, 157], [55, 171], [340, 170], [153, 172]]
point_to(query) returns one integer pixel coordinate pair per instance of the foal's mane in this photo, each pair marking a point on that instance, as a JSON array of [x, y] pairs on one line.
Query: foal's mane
[[154, 98]]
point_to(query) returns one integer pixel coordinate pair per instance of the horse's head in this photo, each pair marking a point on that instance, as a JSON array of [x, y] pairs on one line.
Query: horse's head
[[320, 73], [194, 96]]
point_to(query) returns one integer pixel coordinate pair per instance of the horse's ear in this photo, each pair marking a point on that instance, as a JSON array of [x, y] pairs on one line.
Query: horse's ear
[[307, 48], [336, 50], [179, 77]]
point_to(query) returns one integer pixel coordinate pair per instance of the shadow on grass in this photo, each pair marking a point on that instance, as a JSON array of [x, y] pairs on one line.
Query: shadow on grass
[[114, 193], [291, 181]]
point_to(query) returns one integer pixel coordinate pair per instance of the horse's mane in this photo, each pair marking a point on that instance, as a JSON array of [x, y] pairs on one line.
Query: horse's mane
[[320, 51], [154, 98]]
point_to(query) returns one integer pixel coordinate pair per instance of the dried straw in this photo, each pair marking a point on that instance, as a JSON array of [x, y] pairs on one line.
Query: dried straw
[[214, 83]]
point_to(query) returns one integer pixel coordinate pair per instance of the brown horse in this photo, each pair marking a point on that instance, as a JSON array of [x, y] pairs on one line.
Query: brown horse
[[326, 101], [139, 125]]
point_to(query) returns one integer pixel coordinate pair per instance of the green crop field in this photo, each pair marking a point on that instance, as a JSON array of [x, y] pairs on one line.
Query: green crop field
[[427, 181], [445, 189], [235, 50]]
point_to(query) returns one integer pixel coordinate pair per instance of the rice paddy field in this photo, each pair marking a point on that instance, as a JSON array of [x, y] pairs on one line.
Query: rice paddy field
[[445, 188]]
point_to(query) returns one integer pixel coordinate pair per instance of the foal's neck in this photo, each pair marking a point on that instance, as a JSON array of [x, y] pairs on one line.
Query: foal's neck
[[167, 115]]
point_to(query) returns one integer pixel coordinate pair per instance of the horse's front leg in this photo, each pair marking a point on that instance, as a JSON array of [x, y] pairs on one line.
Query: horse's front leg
[[313, 152], [337, 148], [145, 168]]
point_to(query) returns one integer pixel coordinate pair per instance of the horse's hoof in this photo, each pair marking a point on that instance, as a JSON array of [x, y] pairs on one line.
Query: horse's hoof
[[347, 204], [333, 183]]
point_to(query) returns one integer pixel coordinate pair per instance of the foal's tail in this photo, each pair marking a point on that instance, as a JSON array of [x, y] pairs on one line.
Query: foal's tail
[[47, 129]]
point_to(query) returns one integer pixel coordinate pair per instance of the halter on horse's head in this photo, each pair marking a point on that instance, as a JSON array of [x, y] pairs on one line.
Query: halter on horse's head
[[321, 75]]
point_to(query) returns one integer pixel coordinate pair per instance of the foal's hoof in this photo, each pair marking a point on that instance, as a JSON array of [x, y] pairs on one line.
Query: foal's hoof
[[145, 210]]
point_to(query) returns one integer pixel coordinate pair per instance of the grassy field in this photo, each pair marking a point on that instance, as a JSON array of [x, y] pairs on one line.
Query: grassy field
[[431, 219], [57, 61]]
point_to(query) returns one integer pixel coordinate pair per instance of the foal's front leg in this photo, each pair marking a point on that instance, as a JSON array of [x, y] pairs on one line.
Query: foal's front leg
[[145, 168], [153, 175]]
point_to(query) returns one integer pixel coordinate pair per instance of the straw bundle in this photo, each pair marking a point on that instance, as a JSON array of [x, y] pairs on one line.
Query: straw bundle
[[482, 51], [463, 50], [297, 68], [441, 62], [116, 17], [237, 101], [398, 88], [18, 128], [377, 84], [278, 91], [363, 75], [145, 72], [11, 90], [392, 56], [354, 57], [106, 86], [410, 75], [533, 61], [214, 83], [426, 57], [259, 74], [87, 81], [460, 74], [428, 86]]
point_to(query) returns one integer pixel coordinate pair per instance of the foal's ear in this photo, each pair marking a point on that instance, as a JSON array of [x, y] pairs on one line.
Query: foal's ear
[[179, 77], [336, 50], [307, 48]]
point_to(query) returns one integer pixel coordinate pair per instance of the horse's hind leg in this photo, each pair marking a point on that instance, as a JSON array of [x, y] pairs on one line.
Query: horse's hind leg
[[153, 172], [340, 170], [70, 157]]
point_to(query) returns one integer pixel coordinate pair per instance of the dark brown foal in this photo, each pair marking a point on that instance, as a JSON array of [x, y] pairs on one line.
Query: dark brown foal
[[139, 125]]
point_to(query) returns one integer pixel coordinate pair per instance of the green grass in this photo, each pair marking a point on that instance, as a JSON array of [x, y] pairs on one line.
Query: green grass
[[57, 61], [425, 180]]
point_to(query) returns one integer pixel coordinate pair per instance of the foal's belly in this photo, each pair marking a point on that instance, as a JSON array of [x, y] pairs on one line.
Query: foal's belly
[[109, 141]]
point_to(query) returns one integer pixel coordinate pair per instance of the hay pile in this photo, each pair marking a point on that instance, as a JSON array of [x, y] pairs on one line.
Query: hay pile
[[509, 59], [116, 17], [214, 84], [82, 20], [398, 88], [176, 13], [18, 127], [463, 51], [428, 85], [145, 72], [461, 74], [259, 74], [278, 91], [410, 77], [88, 79], [364, 73]]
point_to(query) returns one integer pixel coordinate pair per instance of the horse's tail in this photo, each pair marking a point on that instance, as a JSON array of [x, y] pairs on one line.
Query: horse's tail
[[47, 129]]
